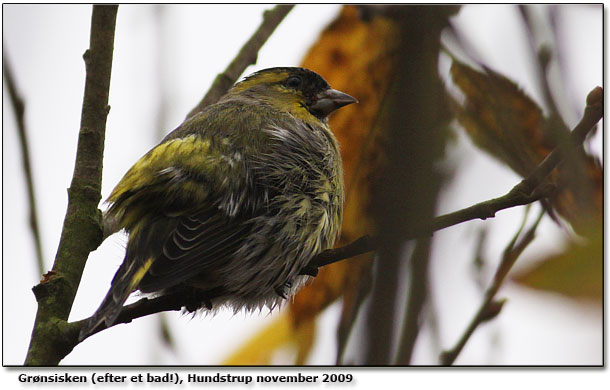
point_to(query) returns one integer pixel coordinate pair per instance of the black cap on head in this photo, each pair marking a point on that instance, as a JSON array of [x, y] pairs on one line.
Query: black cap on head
[[320, 98]]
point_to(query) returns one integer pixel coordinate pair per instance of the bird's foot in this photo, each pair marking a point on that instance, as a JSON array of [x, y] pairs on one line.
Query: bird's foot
[[281, 290], [197, 300]]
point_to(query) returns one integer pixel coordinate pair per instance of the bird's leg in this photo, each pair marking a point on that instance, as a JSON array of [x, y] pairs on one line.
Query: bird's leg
[[281, 290]]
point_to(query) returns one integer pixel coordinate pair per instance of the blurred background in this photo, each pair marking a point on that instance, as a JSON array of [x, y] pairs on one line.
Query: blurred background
[[165, 59]]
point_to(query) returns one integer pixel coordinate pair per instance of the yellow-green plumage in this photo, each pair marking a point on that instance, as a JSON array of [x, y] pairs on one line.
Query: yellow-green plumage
[[235, 201]]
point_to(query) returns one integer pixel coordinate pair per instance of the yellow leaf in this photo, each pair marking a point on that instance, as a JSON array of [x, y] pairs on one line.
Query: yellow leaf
[[576, 273], [260, 348]]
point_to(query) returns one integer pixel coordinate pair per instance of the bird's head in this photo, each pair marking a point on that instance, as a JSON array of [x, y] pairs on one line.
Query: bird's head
[[296, 90]]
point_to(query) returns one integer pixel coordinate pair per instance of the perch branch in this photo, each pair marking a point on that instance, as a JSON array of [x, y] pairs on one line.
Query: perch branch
[[141, 308]]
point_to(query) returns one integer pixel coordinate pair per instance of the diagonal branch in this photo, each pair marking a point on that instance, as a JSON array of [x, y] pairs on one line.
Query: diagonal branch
[[247, 56], [490, 308], [19, 108]]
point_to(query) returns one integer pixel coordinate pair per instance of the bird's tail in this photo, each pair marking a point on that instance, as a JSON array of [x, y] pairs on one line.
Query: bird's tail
[[124, 283]]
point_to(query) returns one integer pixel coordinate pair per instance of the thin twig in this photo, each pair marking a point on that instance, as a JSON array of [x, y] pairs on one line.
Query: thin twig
[[19, 108], [482, 210], [362, 245], [593, 113], [490, 308], [542, 55], [554, 12], [246, 56], [351, 311]]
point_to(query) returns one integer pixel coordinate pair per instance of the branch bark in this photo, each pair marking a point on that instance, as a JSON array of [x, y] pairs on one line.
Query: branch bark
[[82, 229]]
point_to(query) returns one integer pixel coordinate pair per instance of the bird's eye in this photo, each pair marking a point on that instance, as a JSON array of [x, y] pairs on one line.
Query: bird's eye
[[293, 81]]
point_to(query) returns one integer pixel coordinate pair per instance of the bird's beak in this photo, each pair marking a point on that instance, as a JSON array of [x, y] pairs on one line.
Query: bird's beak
[[331, 100]]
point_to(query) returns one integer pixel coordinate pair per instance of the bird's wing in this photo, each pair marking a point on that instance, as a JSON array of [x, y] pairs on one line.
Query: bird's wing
[[178, 176], [180, 204], [196, 245], [183, 204]]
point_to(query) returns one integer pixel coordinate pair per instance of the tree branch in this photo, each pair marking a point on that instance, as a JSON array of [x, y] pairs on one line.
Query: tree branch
[[19, 108], [490, 308], [246, 56], [142, 308], [527, 191], [82, 229]]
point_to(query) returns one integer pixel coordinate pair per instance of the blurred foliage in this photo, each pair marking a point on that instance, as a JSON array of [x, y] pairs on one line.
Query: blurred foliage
[[506, 123], [576, 273], [503, 121], [259, 349]]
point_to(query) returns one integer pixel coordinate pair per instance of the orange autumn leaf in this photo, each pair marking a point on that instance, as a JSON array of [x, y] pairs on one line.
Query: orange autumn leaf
[[356, 57], [501, 119], [506, 123]]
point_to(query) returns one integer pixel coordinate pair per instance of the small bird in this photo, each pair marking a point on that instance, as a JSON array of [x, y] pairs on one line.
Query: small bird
[[232, 205]]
